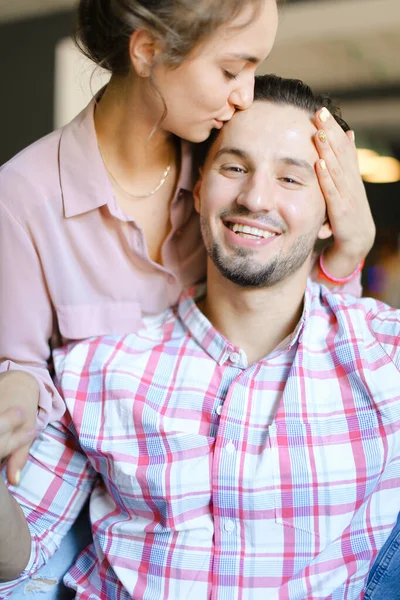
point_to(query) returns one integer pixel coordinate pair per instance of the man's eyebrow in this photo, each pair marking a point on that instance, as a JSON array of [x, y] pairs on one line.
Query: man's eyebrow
[[232, 150], [246, 57], [297, 162]]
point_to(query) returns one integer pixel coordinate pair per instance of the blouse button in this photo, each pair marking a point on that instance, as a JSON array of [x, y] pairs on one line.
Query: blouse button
[[218, 410]]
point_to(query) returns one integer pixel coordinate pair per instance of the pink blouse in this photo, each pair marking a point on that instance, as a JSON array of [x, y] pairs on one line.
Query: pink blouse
[[72, 264]]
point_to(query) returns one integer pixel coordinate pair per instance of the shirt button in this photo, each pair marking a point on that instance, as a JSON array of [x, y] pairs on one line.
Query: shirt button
[[218, 410], [171, 279], [234, 357], [229, 526], [230, 448]]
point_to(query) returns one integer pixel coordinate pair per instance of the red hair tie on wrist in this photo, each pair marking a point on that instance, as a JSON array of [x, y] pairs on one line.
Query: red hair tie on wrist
[[323, 273]]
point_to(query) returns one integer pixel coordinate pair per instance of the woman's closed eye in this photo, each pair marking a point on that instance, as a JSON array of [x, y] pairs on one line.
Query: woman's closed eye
[[229, 75]]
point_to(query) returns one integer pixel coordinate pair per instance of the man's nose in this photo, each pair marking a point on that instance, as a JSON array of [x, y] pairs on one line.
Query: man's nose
[[258, 194]]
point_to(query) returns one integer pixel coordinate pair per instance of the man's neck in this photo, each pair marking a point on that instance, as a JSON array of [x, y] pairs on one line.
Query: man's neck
[[255, 320]]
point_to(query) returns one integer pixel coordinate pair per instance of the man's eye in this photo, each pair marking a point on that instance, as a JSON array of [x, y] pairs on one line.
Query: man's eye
[[233, 169], [290, 180], [229, 75]]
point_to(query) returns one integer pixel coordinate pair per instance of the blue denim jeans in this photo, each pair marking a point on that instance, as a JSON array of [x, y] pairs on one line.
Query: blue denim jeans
[[36, 589], [384, 579]]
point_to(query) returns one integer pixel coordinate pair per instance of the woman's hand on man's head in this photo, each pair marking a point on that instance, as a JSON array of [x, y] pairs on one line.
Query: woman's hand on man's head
[[347, 204]]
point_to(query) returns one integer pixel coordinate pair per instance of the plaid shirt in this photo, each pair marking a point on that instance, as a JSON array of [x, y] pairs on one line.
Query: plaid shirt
[[221, 480]]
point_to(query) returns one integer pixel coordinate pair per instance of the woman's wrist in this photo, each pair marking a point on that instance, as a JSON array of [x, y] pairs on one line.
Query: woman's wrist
[[339, 264]]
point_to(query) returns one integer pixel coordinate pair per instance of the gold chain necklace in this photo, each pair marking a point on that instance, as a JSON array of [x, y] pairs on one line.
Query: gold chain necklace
[[135, 196]]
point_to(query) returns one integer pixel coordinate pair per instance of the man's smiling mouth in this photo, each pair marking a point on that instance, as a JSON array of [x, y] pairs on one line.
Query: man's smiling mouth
[[248, 231]]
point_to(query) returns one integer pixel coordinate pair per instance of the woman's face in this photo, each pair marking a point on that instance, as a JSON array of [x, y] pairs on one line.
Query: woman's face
[[217, 78]]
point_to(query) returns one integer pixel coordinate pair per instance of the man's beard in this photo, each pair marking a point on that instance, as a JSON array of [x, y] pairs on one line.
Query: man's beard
[[241, 269]]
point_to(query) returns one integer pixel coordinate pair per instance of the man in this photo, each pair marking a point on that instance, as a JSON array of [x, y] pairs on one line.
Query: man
[[248, 443]]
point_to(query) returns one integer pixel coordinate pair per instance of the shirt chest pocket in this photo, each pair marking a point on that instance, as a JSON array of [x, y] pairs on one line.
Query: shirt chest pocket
[[82, 321], [322, 472], [164, 477]]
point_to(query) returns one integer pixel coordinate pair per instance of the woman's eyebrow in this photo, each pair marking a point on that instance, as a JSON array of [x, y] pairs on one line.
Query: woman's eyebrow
[[246, 57]]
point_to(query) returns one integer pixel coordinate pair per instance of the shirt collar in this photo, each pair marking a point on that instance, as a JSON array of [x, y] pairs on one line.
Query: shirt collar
[[200, 328], [84, 181], [215, 344]]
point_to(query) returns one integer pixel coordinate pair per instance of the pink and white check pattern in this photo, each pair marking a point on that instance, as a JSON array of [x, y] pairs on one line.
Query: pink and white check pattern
[[218, 480]]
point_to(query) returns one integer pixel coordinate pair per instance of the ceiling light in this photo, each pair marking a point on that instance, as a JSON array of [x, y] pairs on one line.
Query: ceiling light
[[382, 169]]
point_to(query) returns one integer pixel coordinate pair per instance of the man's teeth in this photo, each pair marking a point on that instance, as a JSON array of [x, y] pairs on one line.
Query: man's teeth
[[239, 228]]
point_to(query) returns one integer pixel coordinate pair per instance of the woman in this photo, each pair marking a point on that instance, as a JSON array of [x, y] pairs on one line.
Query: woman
[[98, 224]]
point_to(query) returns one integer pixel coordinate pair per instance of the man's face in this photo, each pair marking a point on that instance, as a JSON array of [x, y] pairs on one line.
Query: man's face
[[260, 204]]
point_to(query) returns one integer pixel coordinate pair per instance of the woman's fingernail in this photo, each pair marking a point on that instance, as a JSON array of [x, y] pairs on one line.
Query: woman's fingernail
[[322, 164], [322, 136], [353, 136], [324, 115], [17, 477]]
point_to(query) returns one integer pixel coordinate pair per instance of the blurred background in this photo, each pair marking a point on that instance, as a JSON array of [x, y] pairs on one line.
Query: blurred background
[[348, 48]]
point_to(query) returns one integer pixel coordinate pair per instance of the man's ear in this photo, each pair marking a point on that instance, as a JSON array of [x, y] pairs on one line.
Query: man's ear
[[197, 190], [325, 231], [143, 49]]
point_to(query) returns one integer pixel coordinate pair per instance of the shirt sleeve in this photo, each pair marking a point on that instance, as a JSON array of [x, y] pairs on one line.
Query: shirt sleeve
[[385, 325], [54, 487], [353, 287], [26, 314]]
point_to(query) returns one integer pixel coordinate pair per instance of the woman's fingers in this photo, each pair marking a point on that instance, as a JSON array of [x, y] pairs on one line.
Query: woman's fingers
[[341, 184], [16, 462], [341, 143], [332, 179], [19, 395], [14, 431]]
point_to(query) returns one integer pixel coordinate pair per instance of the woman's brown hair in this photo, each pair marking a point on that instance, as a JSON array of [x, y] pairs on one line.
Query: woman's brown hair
[[104, 27]]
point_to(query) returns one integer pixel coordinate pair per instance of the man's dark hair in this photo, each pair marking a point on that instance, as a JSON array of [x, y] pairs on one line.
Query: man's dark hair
[[287, 92], [294, 92]]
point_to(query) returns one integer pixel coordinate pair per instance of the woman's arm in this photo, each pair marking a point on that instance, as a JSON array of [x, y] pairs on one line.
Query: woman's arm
[[26, 324], [347, 203], [15, 539], [35, 517]]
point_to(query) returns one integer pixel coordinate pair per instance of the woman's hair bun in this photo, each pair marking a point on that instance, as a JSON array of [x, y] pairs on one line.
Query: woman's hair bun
[[98, 34]]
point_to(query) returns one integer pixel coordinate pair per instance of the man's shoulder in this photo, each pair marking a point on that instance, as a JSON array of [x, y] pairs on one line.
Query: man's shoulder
[[357, 320], [369, 309]]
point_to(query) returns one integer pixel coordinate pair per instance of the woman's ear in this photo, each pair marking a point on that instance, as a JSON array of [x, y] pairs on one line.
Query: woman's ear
[[143, 49], [197, 190]]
